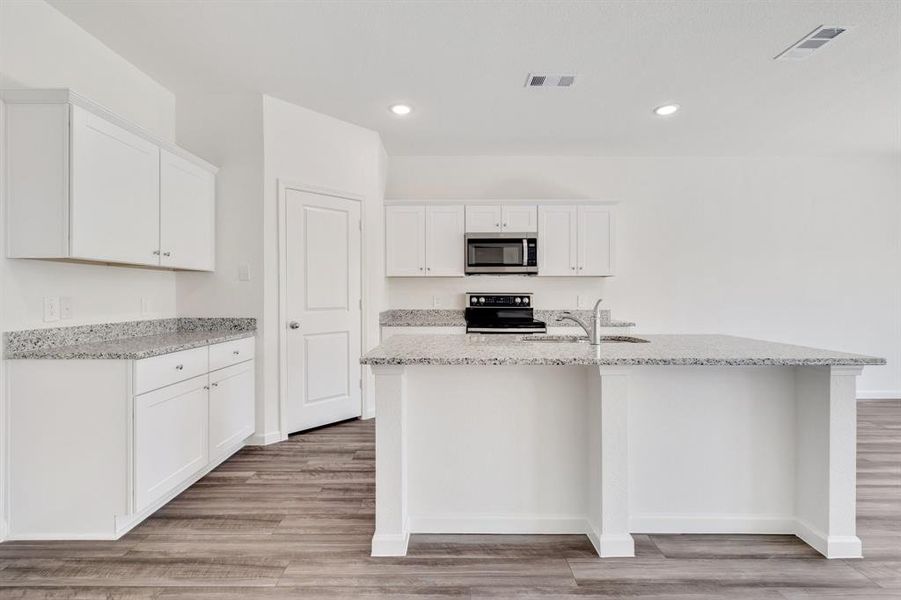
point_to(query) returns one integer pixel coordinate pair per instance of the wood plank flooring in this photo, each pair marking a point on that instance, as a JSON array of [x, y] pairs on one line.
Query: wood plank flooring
[[294, 520]]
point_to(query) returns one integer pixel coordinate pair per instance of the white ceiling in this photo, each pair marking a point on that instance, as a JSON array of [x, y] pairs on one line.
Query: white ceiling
[[462, 65]]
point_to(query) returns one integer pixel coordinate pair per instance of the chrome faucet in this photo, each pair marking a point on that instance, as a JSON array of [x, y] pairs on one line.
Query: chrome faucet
[[594, 331]]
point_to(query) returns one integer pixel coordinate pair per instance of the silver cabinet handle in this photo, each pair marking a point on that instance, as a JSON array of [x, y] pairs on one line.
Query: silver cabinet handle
[[294, 325], [236, 352], [167, 253], [215, 385], [156, 252], [179, 367], [206, 387]]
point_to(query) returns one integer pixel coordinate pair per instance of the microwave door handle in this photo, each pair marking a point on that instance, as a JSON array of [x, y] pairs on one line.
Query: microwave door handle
[[525, 252]]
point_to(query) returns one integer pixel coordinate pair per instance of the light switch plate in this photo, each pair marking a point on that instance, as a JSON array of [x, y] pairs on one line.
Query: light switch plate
[[243, 272], [65, 307], [51, 309]]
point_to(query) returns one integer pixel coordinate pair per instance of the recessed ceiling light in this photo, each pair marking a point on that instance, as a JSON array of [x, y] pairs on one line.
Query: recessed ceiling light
[[401, 110], [666, 110]]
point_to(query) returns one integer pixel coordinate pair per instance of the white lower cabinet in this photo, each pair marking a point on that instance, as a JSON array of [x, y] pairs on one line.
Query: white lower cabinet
[[96, 446], [171, 433], [231, 407]]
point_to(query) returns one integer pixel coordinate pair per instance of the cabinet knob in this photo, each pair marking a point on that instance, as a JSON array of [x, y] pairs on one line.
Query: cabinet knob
[[179, 367], [294, 325], [420, 268], [497, 224], [573, 268], [505, 224], [156, 252], [236, 352], [580, 268], [429, 269], [215, 384], [206, 387], [167, 253]]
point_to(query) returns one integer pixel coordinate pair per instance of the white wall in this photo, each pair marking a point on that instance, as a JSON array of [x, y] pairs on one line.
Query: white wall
[[227, 130], [39, 47], [799, 250], [306, 147]]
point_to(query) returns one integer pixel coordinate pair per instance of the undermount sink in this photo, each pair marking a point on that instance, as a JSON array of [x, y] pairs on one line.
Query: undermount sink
[[582, 339]]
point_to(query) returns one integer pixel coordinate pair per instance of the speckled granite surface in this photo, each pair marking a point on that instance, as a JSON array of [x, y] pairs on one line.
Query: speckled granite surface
[[685, 350], [129, 340], [435, 317]]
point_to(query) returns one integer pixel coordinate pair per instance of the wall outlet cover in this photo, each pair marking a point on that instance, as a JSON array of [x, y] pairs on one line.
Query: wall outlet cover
[[51, 309], [65, 307]]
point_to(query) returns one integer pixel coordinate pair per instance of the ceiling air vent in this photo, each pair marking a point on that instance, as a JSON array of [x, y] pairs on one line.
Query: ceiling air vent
[[811, 42], [534, 80]]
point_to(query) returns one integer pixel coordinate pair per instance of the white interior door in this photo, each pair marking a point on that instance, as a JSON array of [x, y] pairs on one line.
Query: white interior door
[[322, 268]]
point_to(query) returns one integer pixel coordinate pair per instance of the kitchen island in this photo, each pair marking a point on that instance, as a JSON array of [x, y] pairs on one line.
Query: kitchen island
[[673, 434]]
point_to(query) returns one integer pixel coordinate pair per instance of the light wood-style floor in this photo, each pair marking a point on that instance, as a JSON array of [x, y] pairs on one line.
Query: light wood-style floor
[[294, 520]]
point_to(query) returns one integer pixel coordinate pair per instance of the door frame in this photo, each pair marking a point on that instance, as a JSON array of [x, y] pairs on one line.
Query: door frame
[[284, 186]]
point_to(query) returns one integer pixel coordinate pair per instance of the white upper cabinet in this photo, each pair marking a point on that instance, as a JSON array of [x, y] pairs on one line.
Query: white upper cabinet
[[575, 240], [424, 241], [519, 219], [483, 219], [115, 187], [444, 241], [187, 214], [511, 218], [595, 241], [557, 240], [85, 184], [404, 241]]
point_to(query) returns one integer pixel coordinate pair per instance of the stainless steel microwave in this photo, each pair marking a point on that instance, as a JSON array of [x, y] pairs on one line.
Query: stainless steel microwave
[[501, 253]]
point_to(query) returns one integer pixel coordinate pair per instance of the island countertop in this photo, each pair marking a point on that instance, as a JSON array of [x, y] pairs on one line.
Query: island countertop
[[675, 350]]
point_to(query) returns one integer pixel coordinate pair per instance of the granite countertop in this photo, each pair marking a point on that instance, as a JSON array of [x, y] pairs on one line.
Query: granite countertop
[[435, 317], [131, 340], [686, 350]]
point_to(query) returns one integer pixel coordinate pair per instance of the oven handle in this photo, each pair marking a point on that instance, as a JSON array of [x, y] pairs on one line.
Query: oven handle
[[525, 252]]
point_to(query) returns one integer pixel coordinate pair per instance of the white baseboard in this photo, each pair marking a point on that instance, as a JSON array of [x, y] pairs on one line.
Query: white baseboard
[[390, 544], [265, 439], [765, 524], [835, 546], [879, 395], [368, 414], [563, 524]]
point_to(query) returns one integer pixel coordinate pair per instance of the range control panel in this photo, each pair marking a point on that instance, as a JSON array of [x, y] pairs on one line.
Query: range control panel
[[499, 300]]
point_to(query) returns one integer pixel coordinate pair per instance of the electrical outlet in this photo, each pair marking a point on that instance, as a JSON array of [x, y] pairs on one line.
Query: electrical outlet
[[51, 308], [243, 272], [65, 307]]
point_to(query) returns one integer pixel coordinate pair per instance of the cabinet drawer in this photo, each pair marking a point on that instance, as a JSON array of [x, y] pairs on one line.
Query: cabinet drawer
[[166, 369], [230, 353]]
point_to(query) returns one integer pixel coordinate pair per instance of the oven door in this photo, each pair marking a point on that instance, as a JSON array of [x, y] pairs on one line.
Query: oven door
[[500, 253]]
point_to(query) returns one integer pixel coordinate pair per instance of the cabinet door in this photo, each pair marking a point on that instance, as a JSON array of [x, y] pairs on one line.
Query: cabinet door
[[595, 241], [170, 439], [483, 219], [187, 214], [519, 219], [231, 407], [404, 241], [115, 200], [444, 241], [557, 236]]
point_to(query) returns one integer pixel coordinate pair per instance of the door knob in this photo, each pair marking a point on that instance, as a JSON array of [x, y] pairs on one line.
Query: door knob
[[294, 325]]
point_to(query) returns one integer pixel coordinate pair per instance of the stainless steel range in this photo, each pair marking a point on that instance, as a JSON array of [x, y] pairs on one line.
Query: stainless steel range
[[501, 313]]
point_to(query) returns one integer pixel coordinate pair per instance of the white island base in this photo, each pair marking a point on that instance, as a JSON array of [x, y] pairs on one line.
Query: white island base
[[611, 451]]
